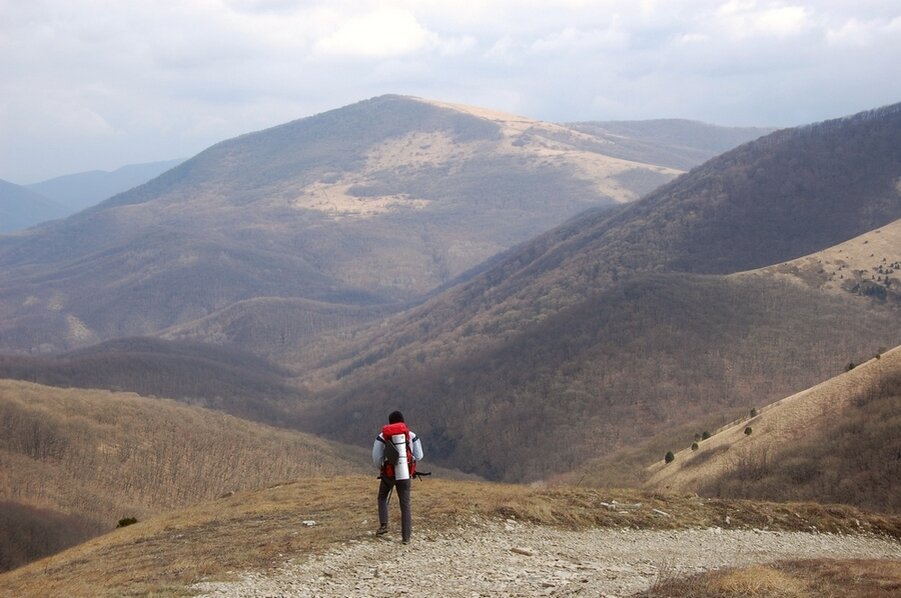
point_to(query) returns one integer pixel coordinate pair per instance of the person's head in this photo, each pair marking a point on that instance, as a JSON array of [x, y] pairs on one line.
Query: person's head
[[395, 417]]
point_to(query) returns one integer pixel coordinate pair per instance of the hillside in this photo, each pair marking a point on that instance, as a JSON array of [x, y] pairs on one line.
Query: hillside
[[85, 189], [21, 208], [676, 143], [225, 379], [620, 324], [74, 462], [653, 353], [836, 442], [470, 537], [364, 206]]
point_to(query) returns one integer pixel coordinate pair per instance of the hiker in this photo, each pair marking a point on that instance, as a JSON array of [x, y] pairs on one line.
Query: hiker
[[397, 468]]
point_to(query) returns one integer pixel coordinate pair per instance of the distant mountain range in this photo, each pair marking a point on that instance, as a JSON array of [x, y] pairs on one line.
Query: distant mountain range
[[24, 206], [21, 208], [324, 219], [676, 143], [82, 190]]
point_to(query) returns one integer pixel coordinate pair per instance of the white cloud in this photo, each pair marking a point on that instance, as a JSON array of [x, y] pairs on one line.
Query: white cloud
[[856, 32], [382, 33], [747, 18], [573, 39]]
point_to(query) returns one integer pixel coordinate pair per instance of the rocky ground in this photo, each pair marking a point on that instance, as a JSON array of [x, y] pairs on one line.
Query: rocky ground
[[515, 559]]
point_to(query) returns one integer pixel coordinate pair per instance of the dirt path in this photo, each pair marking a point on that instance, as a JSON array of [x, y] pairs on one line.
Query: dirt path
[[514, 559]]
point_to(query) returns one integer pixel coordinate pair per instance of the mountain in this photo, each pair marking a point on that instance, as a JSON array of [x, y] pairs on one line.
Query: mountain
[[372, 204], [75, 462], [676, 143], [837, 442], [82, 190], [21, 208], [625, 322]]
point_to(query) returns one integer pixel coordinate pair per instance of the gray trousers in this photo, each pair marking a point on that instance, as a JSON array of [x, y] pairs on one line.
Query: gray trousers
[[403, 495]]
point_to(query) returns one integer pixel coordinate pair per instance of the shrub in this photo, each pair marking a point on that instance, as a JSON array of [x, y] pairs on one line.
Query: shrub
[[753, 412], [694, 446], [669, 457], [126, 522], [849, 367], [705, 435], [748, 431]]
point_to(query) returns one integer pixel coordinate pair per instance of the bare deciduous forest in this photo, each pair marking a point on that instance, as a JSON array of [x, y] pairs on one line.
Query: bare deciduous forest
[[653, 353], [86, 459]]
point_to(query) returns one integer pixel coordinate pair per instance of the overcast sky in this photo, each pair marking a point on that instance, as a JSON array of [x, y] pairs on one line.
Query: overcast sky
[[96, 84]]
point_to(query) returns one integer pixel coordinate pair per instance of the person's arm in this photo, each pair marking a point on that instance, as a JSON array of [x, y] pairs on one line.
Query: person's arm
[[416, 446], [378, 451]]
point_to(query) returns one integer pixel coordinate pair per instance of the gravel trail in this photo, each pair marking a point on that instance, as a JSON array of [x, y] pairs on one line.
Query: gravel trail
[[514, 559]]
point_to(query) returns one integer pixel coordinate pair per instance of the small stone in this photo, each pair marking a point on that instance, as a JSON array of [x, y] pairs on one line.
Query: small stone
[[522, 551], [309, 523]]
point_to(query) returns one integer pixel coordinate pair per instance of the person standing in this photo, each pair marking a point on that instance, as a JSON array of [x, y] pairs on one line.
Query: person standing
[[395, 452]]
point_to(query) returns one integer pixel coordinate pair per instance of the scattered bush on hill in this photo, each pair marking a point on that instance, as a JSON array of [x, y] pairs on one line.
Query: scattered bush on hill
[[853, 459]]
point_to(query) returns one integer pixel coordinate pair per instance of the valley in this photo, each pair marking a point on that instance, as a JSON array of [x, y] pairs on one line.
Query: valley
[[212, 351]]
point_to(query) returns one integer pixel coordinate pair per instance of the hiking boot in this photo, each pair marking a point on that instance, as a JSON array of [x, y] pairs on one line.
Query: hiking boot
[[383, 529], [406, 540]]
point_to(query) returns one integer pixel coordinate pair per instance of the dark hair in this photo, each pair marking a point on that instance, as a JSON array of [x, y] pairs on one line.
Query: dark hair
[[395, 417]]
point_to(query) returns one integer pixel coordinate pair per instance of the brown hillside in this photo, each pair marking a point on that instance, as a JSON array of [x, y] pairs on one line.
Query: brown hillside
[[205, 375], [91, 458], [839, 441], [654, 353]]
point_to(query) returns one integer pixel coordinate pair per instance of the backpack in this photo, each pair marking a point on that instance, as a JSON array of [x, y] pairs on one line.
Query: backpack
[[391, 453]]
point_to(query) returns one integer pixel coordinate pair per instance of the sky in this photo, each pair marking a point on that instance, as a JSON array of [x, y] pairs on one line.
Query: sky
[[97, 84]]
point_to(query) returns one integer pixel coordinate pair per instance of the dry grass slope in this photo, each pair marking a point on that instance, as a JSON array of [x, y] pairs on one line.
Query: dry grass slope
[[838, 442], [790, 579], [264, 528]]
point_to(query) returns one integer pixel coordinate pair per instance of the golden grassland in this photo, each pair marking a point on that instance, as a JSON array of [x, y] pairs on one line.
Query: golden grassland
[[264, 528], [818, 578]]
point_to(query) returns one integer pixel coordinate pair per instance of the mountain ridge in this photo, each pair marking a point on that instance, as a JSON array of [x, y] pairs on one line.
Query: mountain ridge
[[374, 203], [494, 344]]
